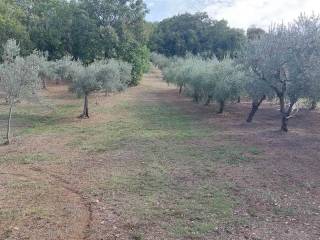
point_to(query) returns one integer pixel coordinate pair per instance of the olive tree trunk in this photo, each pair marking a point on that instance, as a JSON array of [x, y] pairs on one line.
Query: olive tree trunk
[[313, 105], [221, 107], [85, 113], [180, 90], [9, 125], [255, 108], [286, 116], [44, 84]]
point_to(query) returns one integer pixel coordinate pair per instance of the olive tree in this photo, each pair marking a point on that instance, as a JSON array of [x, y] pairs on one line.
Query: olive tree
[[63, 69], [159, 60], [18, 77], [266, 57], [181, 72], [229, 79], [84, 83], [46, 69], [305, 58], [114, 75], [172, 74], [285, 60], [207, 79]]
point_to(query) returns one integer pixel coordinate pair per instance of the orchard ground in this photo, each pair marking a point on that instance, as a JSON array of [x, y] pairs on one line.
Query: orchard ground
[[149, 164]]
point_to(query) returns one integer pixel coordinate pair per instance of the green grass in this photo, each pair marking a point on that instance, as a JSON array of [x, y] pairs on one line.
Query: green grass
[[27, 158], [37, 119], [169, 179]]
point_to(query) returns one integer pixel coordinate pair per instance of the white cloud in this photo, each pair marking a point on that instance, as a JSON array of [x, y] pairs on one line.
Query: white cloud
[[261, 13]]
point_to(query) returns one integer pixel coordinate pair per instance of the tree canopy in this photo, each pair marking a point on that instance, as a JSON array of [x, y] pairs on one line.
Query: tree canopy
[[196, 34], [84, 29]]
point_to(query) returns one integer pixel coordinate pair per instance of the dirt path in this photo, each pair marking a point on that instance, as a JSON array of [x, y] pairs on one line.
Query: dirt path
[[65, 195], [149, 164]]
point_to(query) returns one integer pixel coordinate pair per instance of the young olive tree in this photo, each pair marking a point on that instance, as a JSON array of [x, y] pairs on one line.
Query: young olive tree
[[18, 77], [63, 69], [229, 79], [181, 72], [172, 74], [200, 81], [84, 83], [46, 70]]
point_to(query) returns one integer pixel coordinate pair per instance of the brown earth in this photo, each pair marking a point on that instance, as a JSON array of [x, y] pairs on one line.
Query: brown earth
[[277, 196]]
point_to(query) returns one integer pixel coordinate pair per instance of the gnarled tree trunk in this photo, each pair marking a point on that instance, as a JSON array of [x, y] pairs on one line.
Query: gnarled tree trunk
[[255, 108], [286, 116]]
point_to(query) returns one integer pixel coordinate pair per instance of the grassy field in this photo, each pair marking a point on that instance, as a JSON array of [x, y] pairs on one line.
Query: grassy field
[[151, 165]]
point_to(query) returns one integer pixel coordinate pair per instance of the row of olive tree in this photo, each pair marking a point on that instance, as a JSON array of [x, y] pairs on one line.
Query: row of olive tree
[[281, 64], [106, 75], [205, 79], [22, 77]]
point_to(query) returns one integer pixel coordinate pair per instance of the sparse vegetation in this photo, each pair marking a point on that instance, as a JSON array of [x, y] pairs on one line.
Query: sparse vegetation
[[171, 158]]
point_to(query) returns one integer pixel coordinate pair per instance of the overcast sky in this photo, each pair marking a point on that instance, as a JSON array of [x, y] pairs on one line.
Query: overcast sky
[[239, 13]]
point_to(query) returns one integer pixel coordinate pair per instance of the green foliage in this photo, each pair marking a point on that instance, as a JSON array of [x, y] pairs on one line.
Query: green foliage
[[85, 30], [19, 75], [139, 58], [85, 80], [207, 79], [108, 75], [114, 75], [228, 79], [197, 34], [12, 27], [160, 60], [283, 63]]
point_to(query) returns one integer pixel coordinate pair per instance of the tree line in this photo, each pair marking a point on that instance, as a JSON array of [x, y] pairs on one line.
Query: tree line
[[84, 29], [196, 34], [280, 64]]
